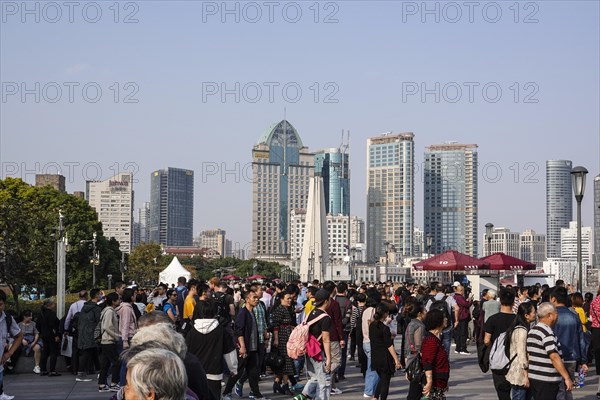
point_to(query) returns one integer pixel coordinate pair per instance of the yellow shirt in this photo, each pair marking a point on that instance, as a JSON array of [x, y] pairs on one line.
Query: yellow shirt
[[308, 307], [188, 307], [582, 316]]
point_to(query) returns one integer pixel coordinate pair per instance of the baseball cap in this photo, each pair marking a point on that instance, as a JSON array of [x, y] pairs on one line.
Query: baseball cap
[[320, 297], [456, 283]]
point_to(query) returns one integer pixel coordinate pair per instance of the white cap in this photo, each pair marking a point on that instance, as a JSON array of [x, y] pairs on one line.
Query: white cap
[[456, 283]]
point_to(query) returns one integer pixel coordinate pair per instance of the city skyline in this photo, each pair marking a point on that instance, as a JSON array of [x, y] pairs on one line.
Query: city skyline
[[172, 97]]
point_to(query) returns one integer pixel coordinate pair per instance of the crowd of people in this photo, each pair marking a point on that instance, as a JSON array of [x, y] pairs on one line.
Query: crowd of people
[[205, 339]]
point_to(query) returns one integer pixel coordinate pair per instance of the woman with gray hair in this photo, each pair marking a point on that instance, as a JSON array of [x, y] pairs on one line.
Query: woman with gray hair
[[156, 374]]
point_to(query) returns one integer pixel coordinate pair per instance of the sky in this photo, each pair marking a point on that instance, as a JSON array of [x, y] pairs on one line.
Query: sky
[[96, 88]]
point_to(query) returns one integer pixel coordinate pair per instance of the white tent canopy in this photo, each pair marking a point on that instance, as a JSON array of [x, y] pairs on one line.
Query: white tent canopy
[[170, 274]]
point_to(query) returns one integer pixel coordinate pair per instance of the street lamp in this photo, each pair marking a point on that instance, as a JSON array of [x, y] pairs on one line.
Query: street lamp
[[488, 235], [109, 276], [95, 257], [578, 179], [429, 242]]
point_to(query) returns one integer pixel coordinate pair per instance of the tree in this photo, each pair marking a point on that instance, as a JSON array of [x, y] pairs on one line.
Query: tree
[[145, 263], [28, 235]]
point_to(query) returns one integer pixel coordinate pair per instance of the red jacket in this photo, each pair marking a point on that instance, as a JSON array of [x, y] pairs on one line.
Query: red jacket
[[334, 312], [435, 359]]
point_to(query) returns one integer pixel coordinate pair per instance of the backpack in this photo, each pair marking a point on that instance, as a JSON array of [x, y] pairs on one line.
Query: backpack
[[346, 314], [500, 352], [442, 305], [98, 332], [296, 345], [222, 307], [73, 325]]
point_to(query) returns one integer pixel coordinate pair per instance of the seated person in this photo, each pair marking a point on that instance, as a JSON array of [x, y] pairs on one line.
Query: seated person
[[31, 338]]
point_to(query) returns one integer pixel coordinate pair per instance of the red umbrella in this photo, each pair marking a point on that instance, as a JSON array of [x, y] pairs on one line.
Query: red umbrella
[[503, 262], [255, 277], [231, 278], [451, 260]]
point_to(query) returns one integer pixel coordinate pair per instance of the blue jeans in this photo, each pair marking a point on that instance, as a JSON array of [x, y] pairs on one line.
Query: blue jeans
[[447, 339], [517, 393], [371, 377], [319, 384]]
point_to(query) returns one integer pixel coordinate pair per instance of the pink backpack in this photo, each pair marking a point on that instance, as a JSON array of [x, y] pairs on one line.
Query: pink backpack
[[299, 338]]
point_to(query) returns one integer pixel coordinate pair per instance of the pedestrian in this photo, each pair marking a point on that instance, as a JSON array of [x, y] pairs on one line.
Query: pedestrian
[[371, 377], [110, 336], [435, 358], [491, 305], [8, 329], [546, 369], [415, 331], [517, 372], [87, 346], [49, 333], [156, 374], [569, 333], [170, 308], [356, 323], [31, 339], [318, 367], [464, 316], [452, 309], [70, 327], [494, 326], [336, 335], [385, 360], [283, 324], [246, 335]]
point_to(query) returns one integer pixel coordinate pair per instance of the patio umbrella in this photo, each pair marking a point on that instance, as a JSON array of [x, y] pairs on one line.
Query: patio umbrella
[[231, 278], [451, 260], [255, 277], [504, 262]]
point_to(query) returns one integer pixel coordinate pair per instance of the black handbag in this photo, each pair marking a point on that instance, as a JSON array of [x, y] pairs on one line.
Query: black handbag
[[414, 369], [274, 360]]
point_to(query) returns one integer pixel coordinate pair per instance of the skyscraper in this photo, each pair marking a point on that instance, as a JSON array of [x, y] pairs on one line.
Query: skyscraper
[[390, 194], [213, 239], [568, 243], [451, 207], [597, 222], [333, 165], [282, 167], [504, 241], [144, 222], [172, 207], [113, 201], [559, 203]]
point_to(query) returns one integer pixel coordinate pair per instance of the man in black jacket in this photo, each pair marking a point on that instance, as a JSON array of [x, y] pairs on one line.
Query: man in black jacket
[[246, 334], [86, 323]]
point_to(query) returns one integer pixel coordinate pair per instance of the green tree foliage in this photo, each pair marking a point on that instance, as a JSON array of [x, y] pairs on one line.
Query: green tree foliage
[[28, 234], [145, 263]]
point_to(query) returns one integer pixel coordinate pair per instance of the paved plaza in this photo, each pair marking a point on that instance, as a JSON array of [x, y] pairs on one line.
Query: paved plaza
[[466, 382]]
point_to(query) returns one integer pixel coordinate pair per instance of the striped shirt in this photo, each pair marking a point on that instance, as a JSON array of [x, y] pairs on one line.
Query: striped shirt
[[541, 342]]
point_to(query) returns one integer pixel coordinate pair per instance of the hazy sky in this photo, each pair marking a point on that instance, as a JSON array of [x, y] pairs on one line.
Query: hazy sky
[[193, 84]]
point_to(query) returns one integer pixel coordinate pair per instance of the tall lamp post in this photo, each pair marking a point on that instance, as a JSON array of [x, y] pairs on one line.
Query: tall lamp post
[[488, 235], [578, 179], [429, 241]]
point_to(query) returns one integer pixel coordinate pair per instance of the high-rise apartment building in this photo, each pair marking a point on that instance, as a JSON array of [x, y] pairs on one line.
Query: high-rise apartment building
[[282, 167], [533, 247], [113, 201], [597, 222], [55, 180], [503, 241], [451, 206], [419, 242], [172, 207], [333, 165], [568, 243], [213, 239], [390, 194], [559, 203]]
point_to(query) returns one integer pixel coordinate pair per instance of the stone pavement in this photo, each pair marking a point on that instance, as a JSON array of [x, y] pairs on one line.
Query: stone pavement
[[466, 382]]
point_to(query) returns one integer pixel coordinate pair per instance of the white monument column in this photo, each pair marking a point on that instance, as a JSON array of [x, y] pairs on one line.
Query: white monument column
[[315, 248]]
